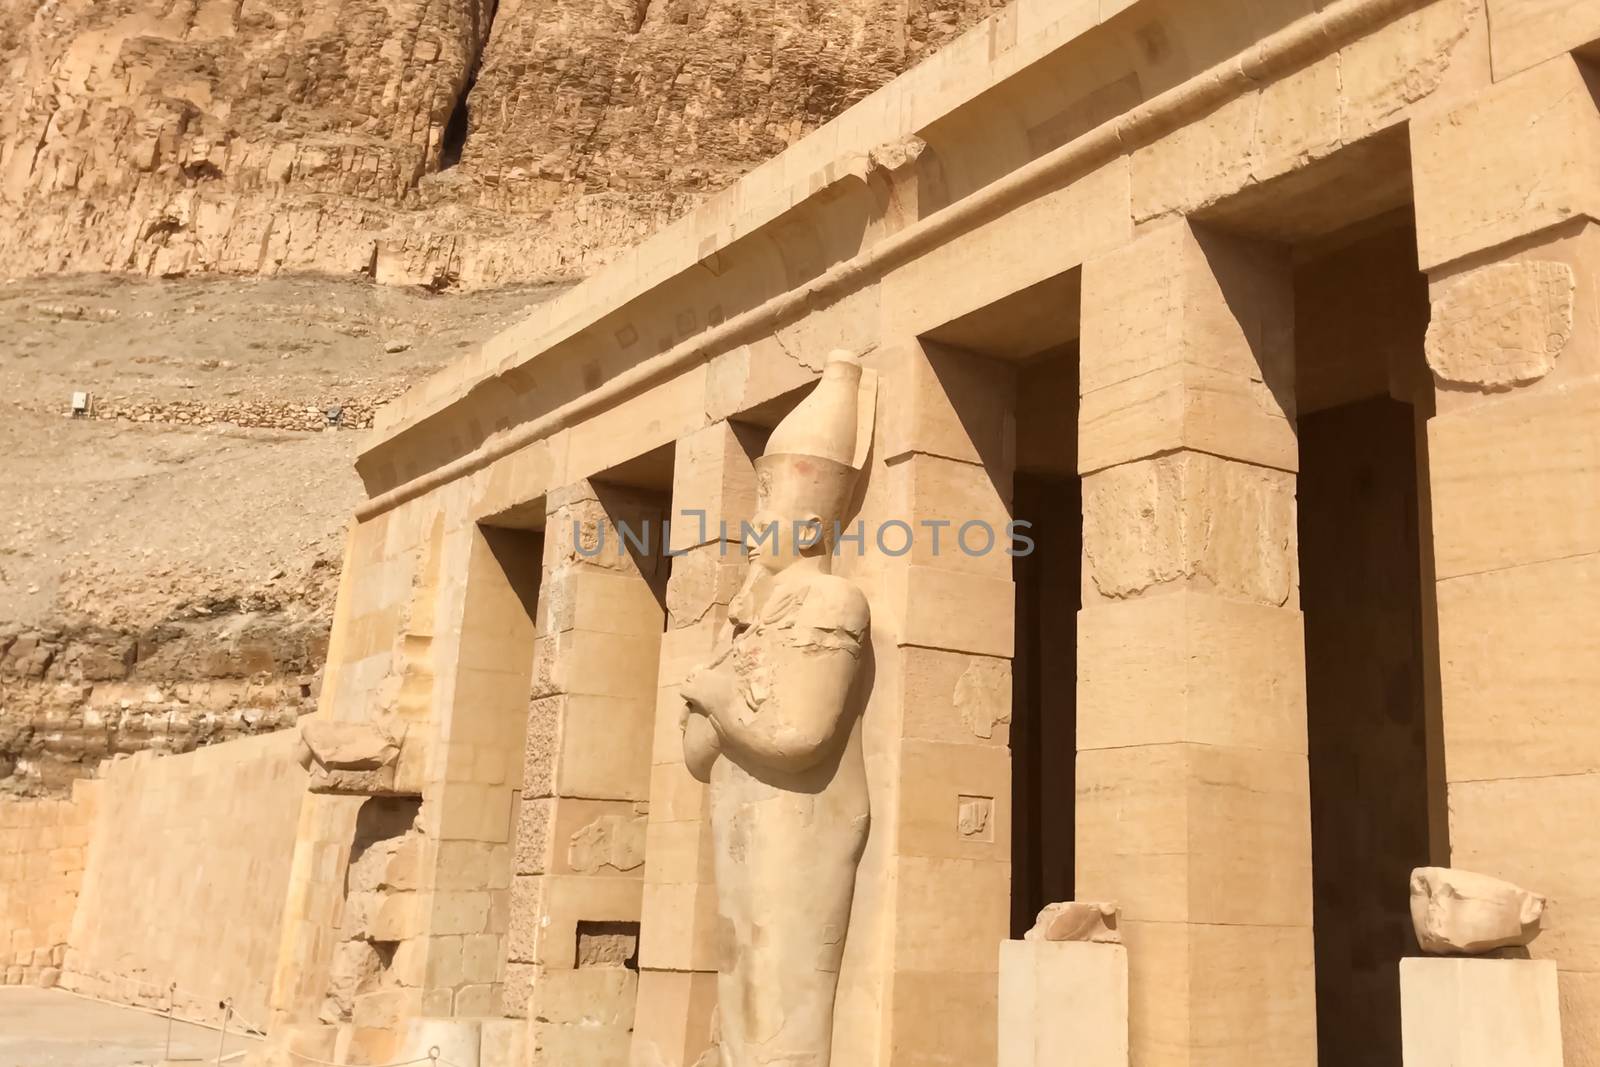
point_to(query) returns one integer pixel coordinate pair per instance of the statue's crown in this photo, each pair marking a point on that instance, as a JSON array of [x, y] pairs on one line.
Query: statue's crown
[[823, 425], [808, 464]]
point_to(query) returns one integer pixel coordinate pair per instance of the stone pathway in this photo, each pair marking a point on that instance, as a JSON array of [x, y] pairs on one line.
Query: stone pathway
[[54, 1028]]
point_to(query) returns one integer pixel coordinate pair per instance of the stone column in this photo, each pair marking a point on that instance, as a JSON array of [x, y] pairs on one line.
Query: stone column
[[580, 848], [938, 864], [713, 492], [1507, 198], [487, 581], [1193, 807]]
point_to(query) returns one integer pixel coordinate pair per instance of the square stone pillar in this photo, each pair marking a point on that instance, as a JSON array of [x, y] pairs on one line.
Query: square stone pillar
[[932, 557], [1457, 1012], [487, 583], [713, 492], [1508, 194], [575, 900], [1193, 808]]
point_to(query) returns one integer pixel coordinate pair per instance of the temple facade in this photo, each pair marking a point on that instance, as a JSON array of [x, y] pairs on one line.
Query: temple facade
[[1209, 519]]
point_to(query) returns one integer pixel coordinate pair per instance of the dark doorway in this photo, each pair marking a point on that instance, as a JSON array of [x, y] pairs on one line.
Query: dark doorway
[[1360, 590], [1376, 770], [1046, 495]]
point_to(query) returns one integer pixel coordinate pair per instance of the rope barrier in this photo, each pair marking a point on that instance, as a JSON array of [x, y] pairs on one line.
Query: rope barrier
[[169, 993], [433, 1057]]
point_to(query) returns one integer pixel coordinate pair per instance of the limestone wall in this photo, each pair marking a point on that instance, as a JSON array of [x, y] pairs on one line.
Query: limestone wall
[[187, 872], [43, 845]]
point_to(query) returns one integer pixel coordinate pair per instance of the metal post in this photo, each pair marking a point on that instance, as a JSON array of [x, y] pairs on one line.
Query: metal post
[[227, 1010], [172, 995]]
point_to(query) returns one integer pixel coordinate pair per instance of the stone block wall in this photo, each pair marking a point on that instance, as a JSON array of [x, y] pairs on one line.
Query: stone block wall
[[43, 846], [186, 874]]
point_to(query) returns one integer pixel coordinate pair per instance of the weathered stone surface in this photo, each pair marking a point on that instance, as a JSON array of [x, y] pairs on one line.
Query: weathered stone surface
[[1416, 63], [1517, 670], [348, 757], [355, 969], [983, 696], [1221, 995], [42, 867], [1528, 32], [1183, 294], [1501, 325], [229, 810], [1468, 201], [1459, 912], [1191, 667], [1195, 834], [1189, 520], [613, 841], [607, 944], [348, 745]]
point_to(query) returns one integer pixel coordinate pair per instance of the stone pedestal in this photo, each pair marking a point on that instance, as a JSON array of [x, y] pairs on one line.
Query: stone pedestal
[[1063, 1004], [1467, 1012]]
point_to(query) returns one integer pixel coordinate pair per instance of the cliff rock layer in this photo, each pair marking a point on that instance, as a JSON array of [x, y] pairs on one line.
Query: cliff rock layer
[[436, 142]]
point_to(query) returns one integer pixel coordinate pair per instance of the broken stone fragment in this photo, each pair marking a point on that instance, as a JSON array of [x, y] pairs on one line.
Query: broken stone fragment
[[346, 745], [1462, 913], [352, 758], [1077, 920]]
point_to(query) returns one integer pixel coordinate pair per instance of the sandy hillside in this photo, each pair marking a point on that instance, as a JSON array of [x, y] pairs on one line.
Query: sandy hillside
[[167, 568]]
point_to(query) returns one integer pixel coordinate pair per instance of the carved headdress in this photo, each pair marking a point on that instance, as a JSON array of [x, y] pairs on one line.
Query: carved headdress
[[810, 460]]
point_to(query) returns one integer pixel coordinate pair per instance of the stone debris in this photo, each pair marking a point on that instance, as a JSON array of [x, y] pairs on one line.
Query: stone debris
[[354, 413]]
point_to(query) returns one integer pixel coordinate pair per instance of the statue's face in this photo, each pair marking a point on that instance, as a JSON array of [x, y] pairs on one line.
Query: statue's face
[[775, 541]]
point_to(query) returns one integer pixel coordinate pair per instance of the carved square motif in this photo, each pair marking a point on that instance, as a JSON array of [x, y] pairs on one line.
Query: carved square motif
[[975, 818]]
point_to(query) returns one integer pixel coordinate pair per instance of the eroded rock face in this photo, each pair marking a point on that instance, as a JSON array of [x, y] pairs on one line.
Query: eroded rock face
[[1462, 913], [462, 142], [71, 697]]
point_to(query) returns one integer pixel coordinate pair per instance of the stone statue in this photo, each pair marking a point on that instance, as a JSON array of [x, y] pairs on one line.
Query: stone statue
[[768, 723], [1461, 913]]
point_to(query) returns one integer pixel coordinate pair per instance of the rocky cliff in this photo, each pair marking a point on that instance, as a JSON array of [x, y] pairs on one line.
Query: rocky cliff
[[435, 142]]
